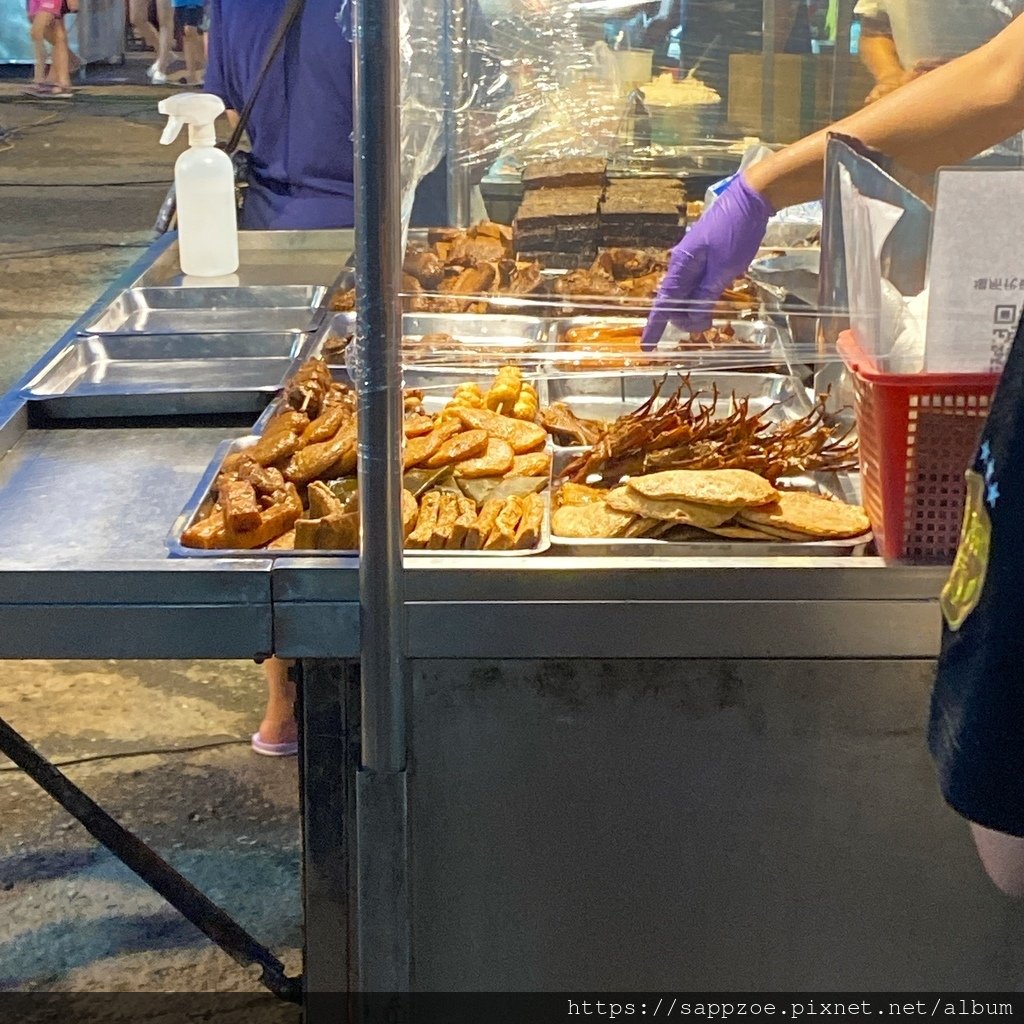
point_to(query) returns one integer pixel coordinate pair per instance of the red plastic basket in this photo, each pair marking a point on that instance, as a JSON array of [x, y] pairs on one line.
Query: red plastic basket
[[918, 435]]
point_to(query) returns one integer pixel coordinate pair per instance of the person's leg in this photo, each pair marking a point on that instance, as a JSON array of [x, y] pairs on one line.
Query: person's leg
[[40, 26], [193, 46], [165, 16], [138, 12], [278, 725], [60, 58]]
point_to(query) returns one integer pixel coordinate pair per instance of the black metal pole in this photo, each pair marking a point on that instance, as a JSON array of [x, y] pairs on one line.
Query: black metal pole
[[213, 922], [384, 943]]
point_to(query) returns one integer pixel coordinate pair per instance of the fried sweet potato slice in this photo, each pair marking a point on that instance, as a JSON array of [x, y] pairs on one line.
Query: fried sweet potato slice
[[468, 444], [419, 449], [534, 464], [418, 425], [496, 460], [523, 436]]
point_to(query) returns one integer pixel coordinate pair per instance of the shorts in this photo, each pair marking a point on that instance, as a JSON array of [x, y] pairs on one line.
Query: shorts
[[191, 16], [52, 7]]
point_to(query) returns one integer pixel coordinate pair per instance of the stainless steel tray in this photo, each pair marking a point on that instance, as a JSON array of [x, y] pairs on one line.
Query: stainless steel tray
[[154, 375], [762, 348], [211, 310], [267, 258], [607, 394], [839, 485], [201, 502]]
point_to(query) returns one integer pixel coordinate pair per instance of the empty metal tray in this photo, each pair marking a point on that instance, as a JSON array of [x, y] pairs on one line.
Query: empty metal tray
[[101, 376], [211, 310]]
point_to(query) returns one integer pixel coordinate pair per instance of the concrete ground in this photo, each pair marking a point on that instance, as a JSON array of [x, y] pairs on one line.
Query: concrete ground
[[80, 185]]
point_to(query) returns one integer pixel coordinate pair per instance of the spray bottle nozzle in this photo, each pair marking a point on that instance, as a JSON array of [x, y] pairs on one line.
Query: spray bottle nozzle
[[198, 110]]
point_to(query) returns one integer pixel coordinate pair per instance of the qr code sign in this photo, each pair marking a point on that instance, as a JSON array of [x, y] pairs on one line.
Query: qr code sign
[[1005, 315]]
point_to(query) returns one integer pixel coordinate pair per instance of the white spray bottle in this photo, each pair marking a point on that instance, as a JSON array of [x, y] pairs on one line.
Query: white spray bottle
[[204, 184]]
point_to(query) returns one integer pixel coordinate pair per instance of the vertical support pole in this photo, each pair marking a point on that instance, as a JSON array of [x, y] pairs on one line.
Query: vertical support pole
[[768, 30], [457, 95], [329, 758], [383, 908]]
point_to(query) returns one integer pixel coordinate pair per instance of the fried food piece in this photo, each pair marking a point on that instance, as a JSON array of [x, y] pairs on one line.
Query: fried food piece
[[594, 519], [418, 425], [419, 449], [466, 518], [496, 460], [528, 531], [282, 438], [338, 532], [427, 267], [308, 387], [447, 514], [264, 479], [565, 426], [211, 533], [580, 494], [725, 488], [410, 513], [322, 501], [503, 534], [286, 542], [523, 437], [527, 404], [622, 499], [505, 390], [239, 505], [344, 302], [534, 464], [469, 395], [305, 534], [425, 521], [325, 426], [481, 528], [316, 459], [475, 280], [808, 516], [465, 445]]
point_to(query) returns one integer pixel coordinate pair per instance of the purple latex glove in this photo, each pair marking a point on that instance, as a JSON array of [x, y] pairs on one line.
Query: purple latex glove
[[710, 257]]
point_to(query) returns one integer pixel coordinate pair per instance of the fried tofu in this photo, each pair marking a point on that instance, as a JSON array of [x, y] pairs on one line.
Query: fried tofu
[[447, 514], [240, 508], [503, 535], [425, 521], [528, 531]]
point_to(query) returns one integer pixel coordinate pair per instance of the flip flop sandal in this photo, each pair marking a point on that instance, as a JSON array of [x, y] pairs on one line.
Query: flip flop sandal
[[260, 746]]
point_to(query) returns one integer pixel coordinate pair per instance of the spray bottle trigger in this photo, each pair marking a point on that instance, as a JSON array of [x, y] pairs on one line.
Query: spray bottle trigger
[[170, 132]]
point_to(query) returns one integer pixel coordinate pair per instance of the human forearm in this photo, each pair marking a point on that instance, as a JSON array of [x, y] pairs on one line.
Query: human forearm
[[878, 53], [944, 117]]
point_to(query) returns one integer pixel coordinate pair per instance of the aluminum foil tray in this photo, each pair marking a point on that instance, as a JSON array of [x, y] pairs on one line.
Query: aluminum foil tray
[[839, 485], [211, 310], [201, 502], [164, 375]]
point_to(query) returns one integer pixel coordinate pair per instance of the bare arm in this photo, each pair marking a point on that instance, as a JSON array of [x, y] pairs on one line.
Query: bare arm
[[232, 116], [944, 117], [1002, 857], [880, 57]]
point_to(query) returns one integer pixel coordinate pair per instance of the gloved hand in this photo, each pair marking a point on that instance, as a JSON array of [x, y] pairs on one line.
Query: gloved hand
[[710, 257]]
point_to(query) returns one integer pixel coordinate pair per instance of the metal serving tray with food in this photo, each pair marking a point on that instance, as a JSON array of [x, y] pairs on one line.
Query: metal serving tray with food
[[477, 475]]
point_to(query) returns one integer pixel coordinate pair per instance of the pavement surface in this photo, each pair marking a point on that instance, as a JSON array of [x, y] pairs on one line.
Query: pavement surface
[[165, 743]]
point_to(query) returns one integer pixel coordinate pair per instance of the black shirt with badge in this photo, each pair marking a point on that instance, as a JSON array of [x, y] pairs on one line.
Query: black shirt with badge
[[976, 731]]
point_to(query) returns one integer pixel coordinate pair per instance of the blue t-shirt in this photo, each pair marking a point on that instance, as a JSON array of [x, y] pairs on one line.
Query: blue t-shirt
[[301, 123]]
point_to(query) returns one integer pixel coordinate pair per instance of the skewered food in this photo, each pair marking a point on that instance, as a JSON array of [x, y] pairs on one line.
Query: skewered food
[[684, 432]]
